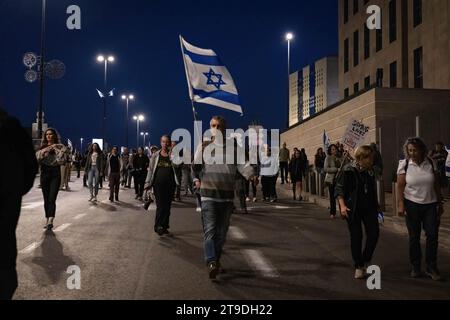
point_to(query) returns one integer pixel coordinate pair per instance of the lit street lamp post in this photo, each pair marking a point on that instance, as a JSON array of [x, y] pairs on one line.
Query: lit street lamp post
[[144, 134], [289, 37], [101, 59], [41, 71], [81, 147], [138, 119], [127, 98]]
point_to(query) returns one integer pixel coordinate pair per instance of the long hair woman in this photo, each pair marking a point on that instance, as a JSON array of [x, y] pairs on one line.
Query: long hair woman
[[333, 162], [420, 201], [94, 167], [51, 155], [296, 173]]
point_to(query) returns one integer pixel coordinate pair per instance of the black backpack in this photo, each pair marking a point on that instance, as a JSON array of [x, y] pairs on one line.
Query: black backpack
[[429, 160]]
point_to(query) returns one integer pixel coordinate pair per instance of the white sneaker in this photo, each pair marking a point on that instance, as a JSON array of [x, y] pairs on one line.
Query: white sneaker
[[254, 199], [199, 209], [247, 199], [360, 273]]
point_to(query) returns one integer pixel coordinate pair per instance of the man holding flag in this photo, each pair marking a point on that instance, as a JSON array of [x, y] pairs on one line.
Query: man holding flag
[[210, 82]]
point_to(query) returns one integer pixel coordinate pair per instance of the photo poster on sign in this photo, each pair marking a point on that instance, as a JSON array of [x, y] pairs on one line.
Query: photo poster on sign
[[355, 134], [99, 142]]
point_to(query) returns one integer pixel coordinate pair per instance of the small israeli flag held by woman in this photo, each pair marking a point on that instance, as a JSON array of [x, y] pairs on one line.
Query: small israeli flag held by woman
[[208, 79]]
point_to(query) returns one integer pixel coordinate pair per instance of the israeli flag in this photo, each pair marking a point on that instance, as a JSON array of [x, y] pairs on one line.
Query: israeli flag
[[208, 79]]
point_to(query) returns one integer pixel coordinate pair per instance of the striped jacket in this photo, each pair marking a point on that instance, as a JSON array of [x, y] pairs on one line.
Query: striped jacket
[[218, 179]]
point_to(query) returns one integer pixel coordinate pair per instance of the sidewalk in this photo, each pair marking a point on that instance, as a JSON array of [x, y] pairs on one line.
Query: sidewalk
[[392, 221]]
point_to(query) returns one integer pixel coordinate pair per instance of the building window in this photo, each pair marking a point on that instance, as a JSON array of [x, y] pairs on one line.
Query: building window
[[345, 11], [346, 55], [355, 48], [380, 77], [379, 36], [366, 42], [392, 20], [393, 74], [417, 12], [355, 6], [367, 82], [346, 93], [356, 88], [418, 68]]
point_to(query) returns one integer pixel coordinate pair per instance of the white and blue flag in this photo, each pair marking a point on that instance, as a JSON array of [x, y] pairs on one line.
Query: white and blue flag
[[208, 79]]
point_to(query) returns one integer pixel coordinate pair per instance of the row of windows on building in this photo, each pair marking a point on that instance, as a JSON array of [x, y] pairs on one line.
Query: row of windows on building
[[393, 71], [309, 106], [378, 34], [417, 10]]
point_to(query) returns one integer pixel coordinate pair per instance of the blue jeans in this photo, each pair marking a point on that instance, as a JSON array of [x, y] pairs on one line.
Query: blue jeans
[[93, 174], [216, 220]]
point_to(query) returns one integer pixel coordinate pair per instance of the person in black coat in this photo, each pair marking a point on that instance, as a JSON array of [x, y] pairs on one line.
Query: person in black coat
[[296, 171], [18, 169], [140, 166], [356, 192]]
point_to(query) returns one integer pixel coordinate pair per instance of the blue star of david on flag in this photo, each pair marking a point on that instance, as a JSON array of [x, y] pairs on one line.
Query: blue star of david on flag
[[218, 89], [210, 81]]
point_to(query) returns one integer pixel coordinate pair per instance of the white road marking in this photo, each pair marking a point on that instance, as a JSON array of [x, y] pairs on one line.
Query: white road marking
[[78, 217], [259, 263], [236, 233], [30, 248], [33, 205], [62, 227], [281, 207]]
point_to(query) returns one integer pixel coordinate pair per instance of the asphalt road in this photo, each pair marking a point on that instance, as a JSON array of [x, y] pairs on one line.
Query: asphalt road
[[287, 250]]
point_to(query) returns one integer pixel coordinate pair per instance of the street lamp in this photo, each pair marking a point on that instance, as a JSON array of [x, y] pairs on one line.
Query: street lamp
[[104, 59], [144, 134], [81, 143], [138, 119], [41, 71], [289, 36], [127, 98]]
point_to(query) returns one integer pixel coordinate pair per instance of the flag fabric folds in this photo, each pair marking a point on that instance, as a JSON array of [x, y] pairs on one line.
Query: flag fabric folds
[[209, 81]]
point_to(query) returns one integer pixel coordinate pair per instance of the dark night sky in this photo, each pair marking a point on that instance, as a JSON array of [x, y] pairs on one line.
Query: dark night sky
[[143, 36]]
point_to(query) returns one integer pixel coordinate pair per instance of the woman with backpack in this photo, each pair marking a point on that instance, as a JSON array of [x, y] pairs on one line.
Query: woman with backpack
[[419, 199], [51, 155]]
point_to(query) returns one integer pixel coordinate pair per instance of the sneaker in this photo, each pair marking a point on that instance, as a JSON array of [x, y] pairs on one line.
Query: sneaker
[[199, 209], [416, 272], [213, 270], [273, 200], [91, 198], [117, 198], [95, 199], [332, 216], [434, 274], [160, 231], [136, 197], [254, 199], [140, 199], [247, 199], [359, 273]]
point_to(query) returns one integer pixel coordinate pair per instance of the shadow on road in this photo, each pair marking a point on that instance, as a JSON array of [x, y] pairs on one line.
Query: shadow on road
[[49, 261]]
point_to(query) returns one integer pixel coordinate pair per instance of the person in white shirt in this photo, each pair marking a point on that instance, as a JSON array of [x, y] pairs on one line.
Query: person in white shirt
[[420, 201]]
